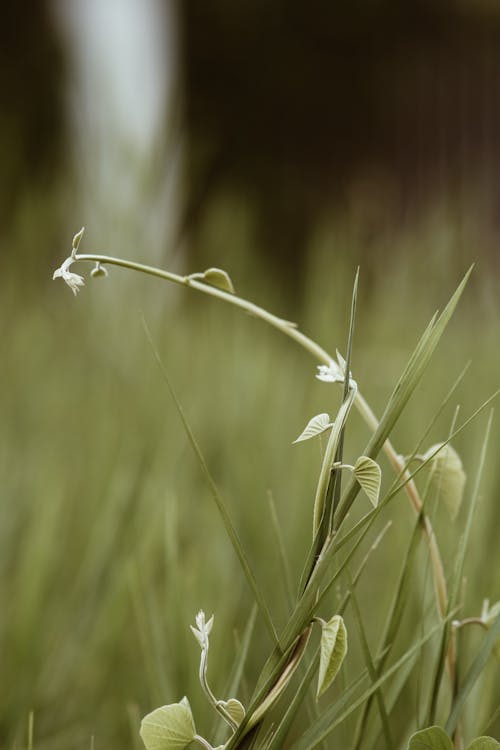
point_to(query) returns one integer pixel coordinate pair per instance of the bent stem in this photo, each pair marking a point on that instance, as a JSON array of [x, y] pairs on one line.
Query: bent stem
[[320, 354]]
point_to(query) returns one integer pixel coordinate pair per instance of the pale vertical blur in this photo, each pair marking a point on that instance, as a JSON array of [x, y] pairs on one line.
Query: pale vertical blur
[[123, 62]]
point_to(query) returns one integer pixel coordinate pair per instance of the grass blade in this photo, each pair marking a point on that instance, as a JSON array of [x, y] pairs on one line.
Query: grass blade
[[221, 506], [237, 673], [406, 385], [457, 578], [475, 671], [336, 714], [372, 670]]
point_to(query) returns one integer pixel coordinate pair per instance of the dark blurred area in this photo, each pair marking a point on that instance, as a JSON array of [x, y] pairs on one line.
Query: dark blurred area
[[380, 109], [33, 132], [374, 111]]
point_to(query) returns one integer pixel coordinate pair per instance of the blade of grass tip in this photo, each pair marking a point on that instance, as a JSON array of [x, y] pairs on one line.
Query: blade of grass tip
[[457, 577], [221, 506], [392, 622], [283, 557], [473, 674], [337, 479], [406, 385], [332, 491], [395, 690], [31, 724], [336, 714], [220, 730], [365, 648]]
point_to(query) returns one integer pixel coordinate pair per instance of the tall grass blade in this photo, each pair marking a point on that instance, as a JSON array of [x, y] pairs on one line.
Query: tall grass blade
[[406, 385], [284, 562], [344, 707], [372, 671], [473, 674], [237, 672], [457, 577], [279, 736], [221, 506]]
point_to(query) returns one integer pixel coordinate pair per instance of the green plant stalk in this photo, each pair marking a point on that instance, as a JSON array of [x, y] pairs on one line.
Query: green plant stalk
[[321, 355]]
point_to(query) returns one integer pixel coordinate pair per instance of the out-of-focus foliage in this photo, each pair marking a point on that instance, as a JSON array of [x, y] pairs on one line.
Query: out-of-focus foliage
[[105, 518]]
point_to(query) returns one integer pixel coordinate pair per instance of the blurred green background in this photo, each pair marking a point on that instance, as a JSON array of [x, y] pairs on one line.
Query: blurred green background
[[286, 143]]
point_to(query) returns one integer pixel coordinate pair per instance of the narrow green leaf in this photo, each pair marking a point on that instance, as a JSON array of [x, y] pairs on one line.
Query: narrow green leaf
[[455, 585], [169, 727], [433, 738], [346, 704], [278, 739], [484, 743], [315, 426], [219, 501], [372, 671], [333, 651], [220, 727], [369, 475], [447, 477], [328, 459], [219, 278]]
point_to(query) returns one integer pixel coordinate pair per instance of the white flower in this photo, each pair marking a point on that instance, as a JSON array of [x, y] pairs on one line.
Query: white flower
[[73, 280], [203, 629], [330, 373]]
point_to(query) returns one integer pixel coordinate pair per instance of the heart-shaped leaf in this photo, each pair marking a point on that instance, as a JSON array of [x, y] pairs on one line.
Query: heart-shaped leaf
[[219, 278], [169, 727], [369, 475], [433, 738], [447, 477], [315, 426], [333, 651], [484, 743], [235, 709]]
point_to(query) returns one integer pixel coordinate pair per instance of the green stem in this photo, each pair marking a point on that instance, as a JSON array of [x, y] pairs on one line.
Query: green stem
[[320, 354]]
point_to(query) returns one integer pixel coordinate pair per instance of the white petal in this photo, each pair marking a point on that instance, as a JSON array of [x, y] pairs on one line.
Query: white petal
[[330, 373]]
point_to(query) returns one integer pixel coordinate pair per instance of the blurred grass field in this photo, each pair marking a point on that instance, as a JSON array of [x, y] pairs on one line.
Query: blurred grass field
[[109, 539]]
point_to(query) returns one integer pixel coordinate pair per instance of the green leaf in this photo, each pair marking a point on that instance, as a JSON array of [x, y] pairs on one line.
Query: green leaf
[[77, 239], [235, 709], [333, 651], [484, 743], [169, 727], [219, 278], [315, 426], [369, 475], [433, 738], [447, 476]]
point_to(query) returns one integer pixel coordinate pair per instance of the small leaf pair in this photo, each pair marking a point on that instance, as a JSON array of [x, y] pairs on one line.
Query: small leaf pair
[[366, 470]]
